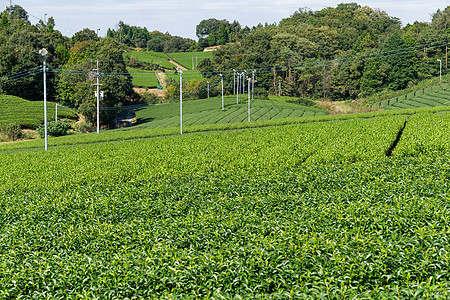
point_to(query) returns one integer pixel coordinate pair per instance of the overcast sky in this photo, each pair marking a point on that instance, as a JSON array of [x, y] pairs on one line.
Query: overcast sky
[[179, 17]]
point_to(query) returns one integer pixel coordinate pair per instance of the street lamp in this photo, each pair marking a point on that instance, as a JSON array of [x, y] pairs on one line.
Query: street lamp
[[98, 29], [440, 69], [43, 52]]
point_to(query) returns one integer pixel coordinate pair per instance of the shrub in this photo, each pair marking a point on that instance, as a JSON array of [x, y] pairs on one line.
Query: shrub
[[83, 127], [261, 93], [12, 131], [54, 129], [301, 101]]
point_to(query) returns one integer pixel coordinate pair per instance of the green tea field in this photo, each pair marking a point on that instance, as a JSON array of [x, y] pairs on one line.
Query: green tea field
[[352, 206], [142, 78], [209, 111], [190, 60], [29, 114], [153, 57]]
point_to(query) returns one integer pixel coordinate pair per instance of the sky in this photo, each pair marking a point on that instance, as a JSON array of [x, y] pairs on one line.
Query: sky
[[180, 17]]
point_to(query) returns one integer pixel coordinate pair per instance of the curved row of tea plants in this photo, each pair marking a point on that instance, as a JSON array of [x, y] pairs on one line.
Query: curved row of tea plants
[[28, 114]]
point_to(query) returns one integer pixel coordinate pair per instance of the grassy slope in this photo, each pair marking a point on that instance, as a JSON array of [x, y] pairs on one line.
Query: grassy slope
[[143, 78], [153, 57], [304, 211], [29, 114], [185, 58], [208, 111]]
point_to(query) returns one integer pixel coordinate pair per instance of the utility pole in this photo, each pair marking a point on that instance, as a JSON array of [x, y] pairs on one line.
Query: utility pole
[[44, 53], [193, 67], [221, 79], [98, 99], [249, 79], [237, 88], [56, 113], [181, 100], [440, 69], [208, 88], [253, 83], [243, 82], [234, 82]]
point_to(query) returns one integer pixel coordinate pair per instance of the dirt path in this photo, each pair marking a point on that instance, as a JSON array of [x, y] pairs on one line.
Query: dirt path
[[176, 64]]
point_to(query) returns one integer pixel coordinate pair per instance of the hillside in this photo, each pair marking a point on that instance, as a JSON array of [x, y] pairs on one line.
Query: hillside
[[208, 111], [29, 114]]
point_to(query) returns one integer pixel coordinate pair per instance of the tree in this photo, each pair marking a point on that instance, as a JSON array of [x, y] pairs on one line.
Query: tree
[[401, 65], [85, 35]]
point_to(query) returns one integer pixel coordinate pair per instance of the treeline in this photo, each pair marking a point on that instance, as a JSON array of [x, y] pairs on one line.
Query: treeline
[[213, 32], [71, 64], [210, 32], [337, 53], [138, 37]]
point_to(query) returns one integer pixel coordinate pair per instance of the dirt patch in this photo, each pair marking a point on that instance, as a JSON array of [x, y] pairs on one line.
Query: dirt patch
[[342, 107], [159, 93]]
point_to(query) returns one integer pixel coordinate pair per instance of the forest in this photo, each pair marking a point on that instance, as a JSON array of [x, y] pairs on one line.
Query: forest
[[337, 53]]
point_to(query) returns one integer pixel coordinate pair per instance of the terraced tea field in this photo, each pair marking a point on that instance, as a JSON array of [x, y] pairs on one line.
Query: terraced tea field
[[153, 57], [208, 111], [313, 210], [189, 60], [29, 114], [142, 78], [432, 96]]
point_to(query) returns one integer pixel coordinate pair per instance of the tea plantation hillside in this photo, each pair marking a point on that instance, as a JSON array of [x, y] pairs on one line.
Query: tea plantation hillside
[[28, 114], [209, 111], [430, 95], [355, 208]]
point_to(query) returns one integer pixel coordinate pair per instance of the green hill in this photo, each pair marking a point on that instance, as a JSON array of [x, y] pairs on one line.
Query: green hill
[[29, 114], [208, 111]]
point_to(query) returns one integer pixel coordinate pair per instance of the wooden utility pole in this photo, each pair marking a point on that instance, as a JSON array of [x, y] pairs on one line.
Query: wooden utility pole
[[274, 80]]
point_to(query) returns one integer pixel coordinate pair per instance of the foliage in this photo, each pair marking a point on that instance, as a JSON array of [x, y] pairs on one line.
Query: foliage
[[261, 93], [75, 87], [60, 128], [12, 131], [213, 32], [138, 37], [337, 53], [20, 43]]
